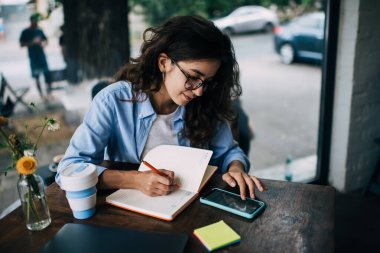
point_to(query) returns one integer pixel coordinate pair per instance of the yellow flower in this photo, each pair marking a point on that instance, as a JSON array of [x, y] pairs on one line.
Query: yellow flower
[[26, 165]]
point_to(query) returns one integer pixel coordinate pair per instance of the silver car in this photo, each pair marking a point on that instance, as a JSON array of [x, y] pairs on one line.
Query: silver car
[[247, 19]]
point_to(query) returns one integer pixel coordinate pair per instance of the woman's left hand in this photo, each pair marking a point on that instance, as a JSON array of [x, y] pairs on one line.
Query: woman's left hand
[[237, 176]]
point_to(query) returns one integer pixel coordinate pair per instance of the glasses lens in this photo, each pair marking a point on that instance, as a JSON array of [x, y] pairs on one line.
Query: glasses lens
[[193, 83]]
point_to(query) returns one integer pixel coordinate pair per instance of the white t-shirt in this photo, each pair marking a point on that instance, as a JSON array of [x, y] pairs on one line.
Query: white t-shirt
[[161, 133]]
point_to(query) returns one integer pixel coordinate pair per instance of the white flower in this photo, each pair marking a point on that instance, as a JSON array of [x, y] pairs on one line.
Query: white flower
[[53, 126], [28, 152]]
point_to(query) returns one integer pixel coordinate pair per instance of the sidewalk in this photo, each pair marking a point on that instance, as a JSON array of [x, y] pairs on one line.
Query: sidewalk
[[303, 170]]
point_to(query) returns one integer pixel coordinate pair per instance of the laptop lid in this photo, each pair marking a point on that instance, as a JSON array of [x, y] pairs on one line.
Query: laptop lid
[[84, 238]]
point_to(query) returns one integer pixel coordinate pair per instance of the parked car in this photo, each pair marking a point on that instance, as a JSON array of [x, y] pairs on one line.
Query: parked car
[[247, 19], [302, 38]]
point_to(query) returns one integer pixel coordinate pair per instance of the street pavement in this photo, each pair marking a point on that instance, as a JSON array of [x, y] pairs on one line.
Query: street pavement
[[281, 100]]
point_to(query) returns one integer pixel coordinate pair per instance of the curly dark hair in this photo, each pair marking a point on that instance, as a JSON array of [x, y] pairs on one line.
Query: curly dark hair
[[188, 38]]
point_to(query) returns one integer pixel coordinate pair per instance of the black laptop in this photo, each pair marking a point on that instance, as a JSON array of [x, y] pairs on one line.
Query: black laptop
[[82, 238]]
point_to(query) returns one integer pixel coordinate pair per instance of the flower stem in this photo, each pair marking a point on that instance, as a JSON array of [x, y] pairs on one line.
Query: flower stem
[[38, 139], [5, 137], [28, 206], [3, 134], [32, 205]]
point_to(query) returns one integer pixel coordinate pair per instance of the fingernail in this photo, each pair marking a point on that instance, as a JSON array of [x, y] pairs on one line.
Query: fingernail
[[233, 184]]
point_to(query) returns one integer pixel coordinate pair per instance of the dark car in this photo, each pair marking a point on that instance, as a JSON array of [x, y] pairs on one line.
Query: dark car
[[302, 38]]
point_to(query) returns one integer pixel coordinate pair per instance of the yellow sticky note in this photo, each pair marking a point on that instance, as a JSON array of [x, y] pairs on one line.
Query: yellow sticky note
[[217, 235]]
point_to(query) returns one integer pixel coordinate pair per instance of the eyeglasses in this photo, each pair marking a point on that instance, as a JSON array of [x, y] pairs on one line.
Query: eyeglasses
[[193, 83]]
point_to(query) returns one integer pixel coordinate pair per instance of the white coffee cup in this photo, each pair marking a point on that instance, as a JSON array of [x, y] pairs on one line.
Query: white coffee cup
[[79, 181]]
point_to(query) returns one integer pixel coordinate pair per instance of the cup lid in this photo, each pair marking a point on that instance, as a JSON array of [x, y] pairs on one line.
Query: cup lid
[[78, 174], [78, 186]]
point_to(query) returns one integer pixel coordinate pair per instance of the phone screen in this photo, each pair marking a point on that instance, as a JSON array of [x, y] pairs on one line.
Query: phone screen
[[233, 201]]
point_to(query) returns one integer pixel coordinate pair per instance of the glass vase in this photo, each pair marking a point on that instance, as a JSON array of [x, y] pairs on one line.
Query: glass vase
[[31, 190]]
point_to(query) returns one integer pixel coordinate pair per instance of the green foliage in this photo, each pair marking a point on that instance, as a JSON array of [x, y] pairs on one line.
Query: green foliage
[[221, 8], [157, 11], [22, 145]]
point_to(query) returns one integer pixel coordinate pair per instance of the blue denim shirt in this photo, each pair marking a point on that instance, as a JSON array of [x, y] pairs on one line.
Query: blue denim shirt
[[117, 130]]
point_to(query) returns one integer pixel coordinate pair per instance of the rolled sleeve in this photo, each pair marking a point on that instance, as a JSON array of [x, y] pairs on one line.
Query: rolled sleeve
[[225, 149], [90, 139]]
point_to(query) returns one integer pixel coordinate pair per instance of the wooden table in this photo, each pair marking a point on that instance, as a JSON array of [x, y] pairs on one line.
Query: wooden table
[[298, 218]]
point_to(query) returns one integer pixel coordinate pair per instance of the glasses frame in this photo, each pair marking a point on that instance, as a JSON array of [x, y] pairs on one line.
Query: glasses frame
[[188, 85]]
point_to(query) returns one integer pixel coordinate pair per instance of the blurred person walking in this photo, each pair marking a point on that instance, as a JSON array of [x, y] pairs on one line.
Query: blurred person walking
[[2, 30], [34, 38]]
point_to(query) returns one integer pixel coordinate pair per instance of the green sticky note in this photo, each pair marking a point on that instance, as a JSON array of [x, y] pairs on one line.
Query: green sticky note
[[217, 235]]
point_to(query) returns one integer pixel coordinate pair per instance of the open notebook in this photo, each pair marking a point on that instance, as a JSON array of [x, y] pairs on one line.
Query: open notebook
[[191, 171]]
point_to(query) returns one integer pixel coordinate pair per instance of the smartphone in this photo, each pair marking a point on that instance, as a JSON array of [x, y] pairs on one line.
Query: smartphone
[[233, 203]]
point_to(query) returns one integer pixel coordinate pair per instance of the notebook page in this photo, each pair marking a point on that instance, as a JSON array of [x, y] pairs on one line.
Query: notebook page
[[209, 172], [189, 164], [160, 206]]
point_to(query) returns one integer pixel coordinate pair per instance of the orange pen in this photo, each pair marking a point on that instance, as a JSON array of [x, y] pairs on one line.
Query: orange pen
[[150, 166]]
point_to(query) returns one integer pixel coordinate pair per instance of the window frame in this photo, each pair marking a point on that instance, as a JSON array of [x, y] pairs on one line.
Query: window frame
[[332, 10]]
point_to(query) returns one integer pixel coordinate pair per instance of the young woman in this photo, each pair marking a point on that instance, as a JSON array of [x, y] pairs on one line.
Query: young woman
[[178, 91]]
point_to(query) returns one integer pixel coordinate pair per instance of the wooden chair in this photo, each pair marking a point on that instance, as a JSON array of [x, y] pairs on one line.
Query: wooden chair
[[8, 103]]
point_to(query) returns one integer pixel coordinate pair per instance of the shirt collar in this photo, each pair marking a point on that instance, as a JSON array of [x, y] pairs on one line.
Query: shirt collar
[[179, 114], [145, 109]]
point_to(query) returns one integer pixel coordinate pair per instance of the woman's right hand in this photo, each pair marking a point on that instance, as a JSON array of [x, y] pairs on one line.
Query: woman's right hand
[[153, 184]]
